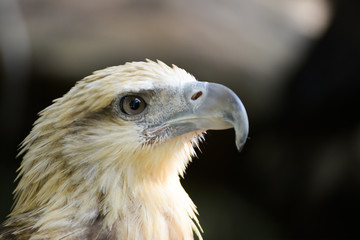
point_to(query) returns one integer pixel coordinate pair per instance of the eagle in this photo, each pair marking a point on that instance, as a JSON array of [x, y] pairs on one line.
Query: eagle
[[105, 160]]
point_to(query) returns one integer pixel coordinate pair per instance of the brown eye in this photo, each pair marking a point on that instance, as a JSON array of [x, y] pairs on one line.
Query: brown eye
[[132, 105]]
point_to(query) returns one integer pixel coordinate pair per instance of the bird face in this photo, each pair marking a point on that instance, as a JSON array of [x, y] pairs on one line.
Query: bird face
[[153, 103], [165, 112], [142, 106]]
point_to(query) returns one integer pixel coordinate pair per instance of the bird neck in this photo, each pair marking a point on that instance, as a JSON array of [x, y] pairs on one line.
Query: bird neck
[[147, 195], [140, 191]]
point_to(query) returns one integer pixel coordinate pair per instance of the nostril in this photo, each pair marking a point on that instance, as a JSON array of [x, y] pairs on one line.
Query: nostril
[[196, 95]]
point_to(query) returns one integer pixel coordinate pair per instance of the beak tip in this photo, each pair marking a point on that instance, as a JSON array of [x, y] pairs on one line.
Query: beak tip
[[240, 143], [239, 148], [241, 135]]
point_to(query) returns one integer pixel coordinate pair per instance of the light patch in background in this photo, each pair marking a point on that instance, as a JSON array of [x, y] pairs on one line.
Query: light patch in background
[[258, 43], [309, 17]]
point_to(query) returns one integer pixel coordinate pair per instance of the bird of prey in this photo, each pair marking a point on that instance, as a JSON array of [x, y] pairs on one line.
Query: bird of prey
[[105, 160]]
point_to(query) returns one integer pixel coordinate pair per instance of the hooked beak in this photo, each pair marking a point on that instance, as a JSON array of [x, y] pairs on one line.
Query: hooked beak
[[209, 106]]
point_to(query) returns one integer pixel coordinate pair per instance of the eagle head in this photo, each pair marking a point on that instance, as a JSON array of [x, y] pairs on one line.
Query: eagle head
[[105, 158]]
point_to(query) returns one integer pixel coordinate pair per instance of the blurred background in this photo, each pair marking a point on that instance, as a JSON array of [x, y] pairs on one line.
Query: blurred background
[[294, 63]]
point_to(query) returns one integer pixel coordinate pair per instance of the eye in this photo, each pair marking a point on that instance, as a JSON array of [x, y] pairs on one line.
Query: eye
[[132, 105]]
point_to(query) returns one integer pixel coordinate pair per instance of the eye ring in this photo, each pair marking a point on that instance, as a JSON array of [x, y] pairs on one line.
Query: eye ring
[[132, 105]]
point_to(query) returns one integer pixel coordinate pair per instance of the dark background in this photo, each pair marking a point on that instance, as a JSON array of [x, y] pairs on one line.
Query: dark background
[[298, 175]]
